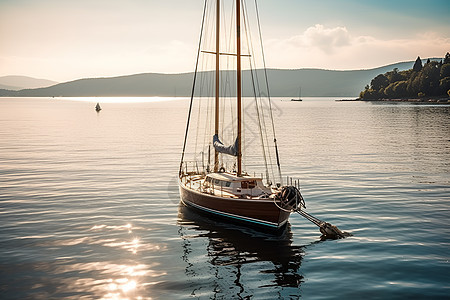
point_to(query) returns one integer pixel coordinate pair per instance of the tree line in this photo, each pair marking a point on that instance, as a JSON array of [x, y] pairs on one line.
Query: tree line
[[429, 80]]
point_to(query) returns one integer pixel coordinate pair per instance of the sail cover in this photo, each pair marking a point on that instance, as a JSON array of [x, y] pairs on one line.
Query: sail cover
[[220, 147]]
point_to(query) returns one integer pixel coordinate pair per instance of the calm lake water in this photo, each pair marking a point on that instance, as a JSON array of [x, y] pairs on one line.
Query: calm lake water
[[89, 205]]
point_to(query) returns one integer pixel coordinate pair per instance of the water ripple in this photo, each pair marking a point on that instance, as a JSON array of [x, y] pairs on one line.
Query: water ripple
[[89, 206]]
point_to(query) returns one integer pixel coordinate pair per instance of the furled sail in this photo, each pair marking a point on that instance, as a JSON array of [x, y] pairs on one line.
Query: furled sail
[[220, 147]]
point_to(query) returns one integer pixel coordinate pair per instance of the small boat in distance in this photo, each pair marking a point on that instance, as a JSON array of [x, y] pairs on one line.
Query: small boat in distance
[[299, 95], [97, 107]]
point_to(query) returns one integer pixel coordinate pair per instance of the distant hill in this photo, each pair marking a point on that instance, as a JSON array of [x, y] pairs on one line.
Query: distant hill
[[16, 83], [283, 83], [323, 83], [149, 84]]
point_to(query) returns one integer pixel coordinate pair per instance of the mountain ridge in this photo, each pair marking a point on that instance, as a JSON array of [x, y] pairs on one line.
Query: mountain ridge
[[282, 83], [18, 82]]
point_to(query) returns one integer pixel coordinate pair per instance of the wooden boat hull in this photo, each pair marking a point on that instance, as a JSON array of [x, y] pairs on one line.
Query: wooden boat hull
[[261, 213]]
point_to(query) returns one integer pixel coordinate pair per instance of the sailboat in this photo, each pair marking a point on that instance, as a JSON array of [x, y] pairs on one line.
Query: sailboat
[[219, 179], [299, 95]]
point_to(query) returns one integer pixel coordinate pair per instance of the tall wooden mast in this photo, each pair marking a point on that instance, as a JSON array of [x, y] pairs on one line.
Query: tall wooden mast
[[239, 87], [216, 118]]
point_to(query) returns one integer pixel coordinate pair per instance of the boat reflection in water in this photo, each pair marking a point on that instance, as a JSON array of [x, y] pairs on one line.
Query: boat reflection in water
[[250, 258]]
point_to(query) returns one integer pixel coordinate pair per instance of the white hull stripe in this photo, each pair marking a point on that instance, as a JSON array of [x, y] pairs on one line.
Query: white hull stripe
[[241, 218]]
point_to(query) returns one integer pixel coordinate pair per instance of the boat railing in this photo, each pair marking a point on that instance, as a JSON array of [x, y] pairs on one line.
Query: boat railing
[[191, 168], [189, 171], [293, 182], [192, 171]]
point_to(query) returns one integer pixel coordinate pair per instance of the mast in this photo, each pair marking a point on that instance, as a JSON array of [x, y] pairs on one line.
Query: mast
[[239, 86], [216, 118]]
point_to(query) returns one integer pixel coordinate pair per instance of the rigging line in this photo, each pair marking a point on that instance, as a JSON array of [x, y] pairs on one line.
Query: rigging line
[[262, 108], [222, 107], [268, 92], [193, 89], [255, 86], [209, 110], [204, 78], [225, 79], [198, 111], [225, 74], [206, 86], [224, 91], [260, 126], [260, 104], [263, 128], [200, 103], [210, 84], [230, 75], [221, 115]]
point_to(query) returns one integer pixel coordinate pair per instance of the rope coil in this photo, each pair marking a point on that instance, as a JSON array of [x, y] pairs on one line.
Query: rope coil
[[290, 199]]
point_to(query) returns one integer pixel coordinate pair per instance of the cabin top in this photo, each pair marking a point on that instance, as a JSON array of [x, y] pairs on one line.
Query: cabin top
[[231, 177]]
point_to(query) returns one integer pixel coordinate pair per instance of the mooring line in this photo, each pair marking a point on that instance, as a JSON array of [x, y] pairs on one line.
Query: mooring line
[[328, 230]]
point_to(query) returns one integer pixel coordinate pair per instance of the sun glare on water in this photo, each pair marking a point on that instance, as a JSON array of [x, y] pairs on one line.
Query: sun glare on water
[[121, 99]]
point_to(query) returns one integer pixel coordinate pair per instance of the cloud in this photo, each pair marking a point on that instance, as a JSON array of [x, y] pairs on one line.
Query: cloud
[[325, 39], [336, 48]]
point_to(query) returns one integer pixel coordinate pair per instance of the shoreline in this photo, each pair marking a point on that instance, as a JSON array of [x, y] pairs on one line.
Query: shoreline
[[438, 100]]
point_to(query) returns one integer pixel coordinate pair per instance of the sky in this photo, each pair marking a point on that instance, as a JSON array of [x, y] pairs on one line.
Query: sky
[[64, 40]]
